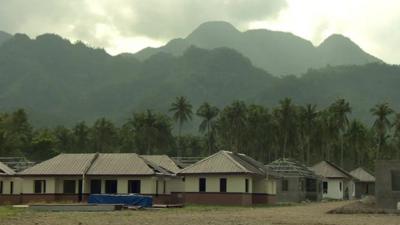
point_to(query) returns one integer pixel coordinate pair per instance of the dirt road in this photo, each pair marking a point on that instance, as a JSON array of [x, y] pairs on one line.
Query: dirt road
[[309, 214]]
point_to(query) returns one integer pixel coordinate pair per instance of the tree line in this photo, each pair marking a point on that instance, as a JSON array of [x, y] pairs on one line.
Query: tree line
[[302, 132]]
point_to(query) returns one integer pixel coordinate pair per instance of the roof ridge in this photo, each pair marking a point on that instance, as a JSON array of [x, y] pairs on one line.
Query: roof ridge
[[340, 169], [95, 156], [203, 160], [235, 162], [153, 166]]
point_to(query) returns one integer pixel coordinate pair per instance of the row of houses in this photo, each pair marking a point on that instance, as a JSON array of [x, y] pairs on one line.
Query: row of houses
[[222, 178]]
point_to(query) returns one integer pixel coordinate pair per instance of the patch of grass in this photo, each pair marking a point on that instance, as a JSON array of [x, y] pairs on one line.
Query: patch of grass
[[8, 211]]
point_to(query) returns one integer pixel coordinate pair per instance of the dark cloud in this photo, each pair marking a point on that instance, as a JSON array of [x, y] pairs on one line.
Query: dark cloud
[[97, 21]]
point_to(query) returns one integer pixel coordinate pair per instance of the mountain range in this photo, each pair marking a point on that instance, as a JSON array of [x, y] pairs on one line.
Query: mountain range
[[279, 53], [59, 82]]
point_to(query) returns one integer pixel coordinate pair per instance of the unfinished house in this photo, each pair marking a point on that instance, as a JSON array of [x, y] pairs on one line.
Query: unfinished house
[[227, 178], [10, 185], [297, 183], [365, 183], [337, 183], [387, 184], [72, 177]]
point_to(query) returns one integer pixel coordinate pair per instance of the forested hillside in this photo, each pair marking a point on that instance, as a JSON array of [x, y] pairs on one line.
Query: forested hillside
[[279, 53], [58, 82]]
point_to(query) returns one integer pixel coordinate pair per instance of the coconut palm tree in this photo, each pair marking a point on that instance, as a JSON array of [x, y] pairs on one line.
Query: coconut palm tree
[[381, 125], [340, 108], [308, 116], [396, 125], [285, 115], [208, 113], [357, 138], [232, 125], [182, 110]]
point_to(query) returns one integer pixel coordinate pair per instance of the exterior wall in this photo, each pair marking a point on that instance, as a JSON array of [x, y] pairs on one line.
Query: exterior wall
[[29, 182], [364, 189], [264, 186], [385, 196], [214, 198], [334, 191], [293, 194], [235, 183], [7, 185]]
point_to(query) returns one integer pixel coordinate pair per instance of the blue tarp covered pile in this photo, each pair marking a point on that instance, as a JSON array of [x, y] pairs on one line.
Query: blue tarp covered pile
[[131, 200]]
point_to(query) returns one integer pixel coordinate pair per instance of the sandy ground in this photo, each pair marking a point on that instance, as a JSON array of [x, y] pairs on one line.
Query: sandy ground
[[309, 214]]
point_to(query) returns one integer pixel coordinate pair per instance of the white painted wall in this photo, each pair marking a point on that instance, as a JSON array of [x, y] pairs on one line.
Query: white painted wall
[[334, 190], [17, 185]]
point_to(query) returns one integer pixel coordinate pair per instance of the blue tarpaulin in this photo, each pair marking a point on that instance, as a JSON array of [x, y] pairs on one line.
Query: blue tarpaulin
[[131, 200]]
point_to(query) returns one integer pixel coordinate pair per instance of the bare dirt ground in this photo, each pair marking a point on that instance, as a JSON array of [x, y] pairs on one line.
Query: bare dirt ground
[[308, 214]]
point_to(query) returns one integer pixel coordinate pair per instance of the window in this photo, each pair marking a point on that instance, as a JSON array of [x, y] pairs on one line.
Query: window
[[285, 185], [340, 186], [395, 180], [202, 185], [164, 187], [134, 186], [301, 185], [222, 185], [311, 185], [11, 187], [1, 187], [95, 187], [325, 187], [246, 185], [111, 186], [156, 187], [69, 187], [39, 186]]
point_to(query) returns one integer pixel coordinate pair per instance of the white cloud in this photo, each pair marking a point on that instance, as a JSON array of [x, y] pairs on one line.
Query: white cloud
[[372, 24], [129, 25]]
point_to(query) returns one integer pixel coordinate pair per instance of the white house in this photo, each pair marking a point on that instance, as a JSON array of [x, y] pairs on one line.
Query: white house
[[337, 183]]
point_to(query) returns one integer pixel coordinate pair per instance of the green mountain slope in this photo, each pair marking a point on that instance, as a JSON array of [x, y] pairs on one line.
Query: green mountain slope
[[4, 37], [280, 53], [61, 83]]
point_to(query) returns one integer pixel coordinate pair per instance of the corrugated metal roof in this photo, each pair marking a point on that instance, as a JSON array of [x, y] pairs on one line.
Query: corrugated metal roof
[[163, 161], [362, 175], [5, 170], [329, 170], [120, 164], [225, 162], [63, 164]]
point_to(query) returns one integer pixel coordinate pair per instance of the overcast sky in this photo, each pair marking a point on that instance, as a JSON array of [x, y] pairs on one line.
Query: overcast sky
[[130, 25]]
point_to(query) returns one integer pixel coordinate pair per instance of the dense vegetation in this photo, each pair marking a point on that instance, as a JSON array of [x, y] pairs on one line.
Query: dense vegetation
[[277, 52], [303, 132], [58, 82]]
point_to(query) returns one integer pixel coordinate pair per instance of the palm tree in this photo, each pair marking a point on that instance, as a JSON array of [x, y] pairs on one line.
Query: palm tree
[[232, 125], [381, 124], [285, 115], [208, 113], [182, 110], [357, 137], [396, 125], [340, 108], [151, 131], [308, 116]]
